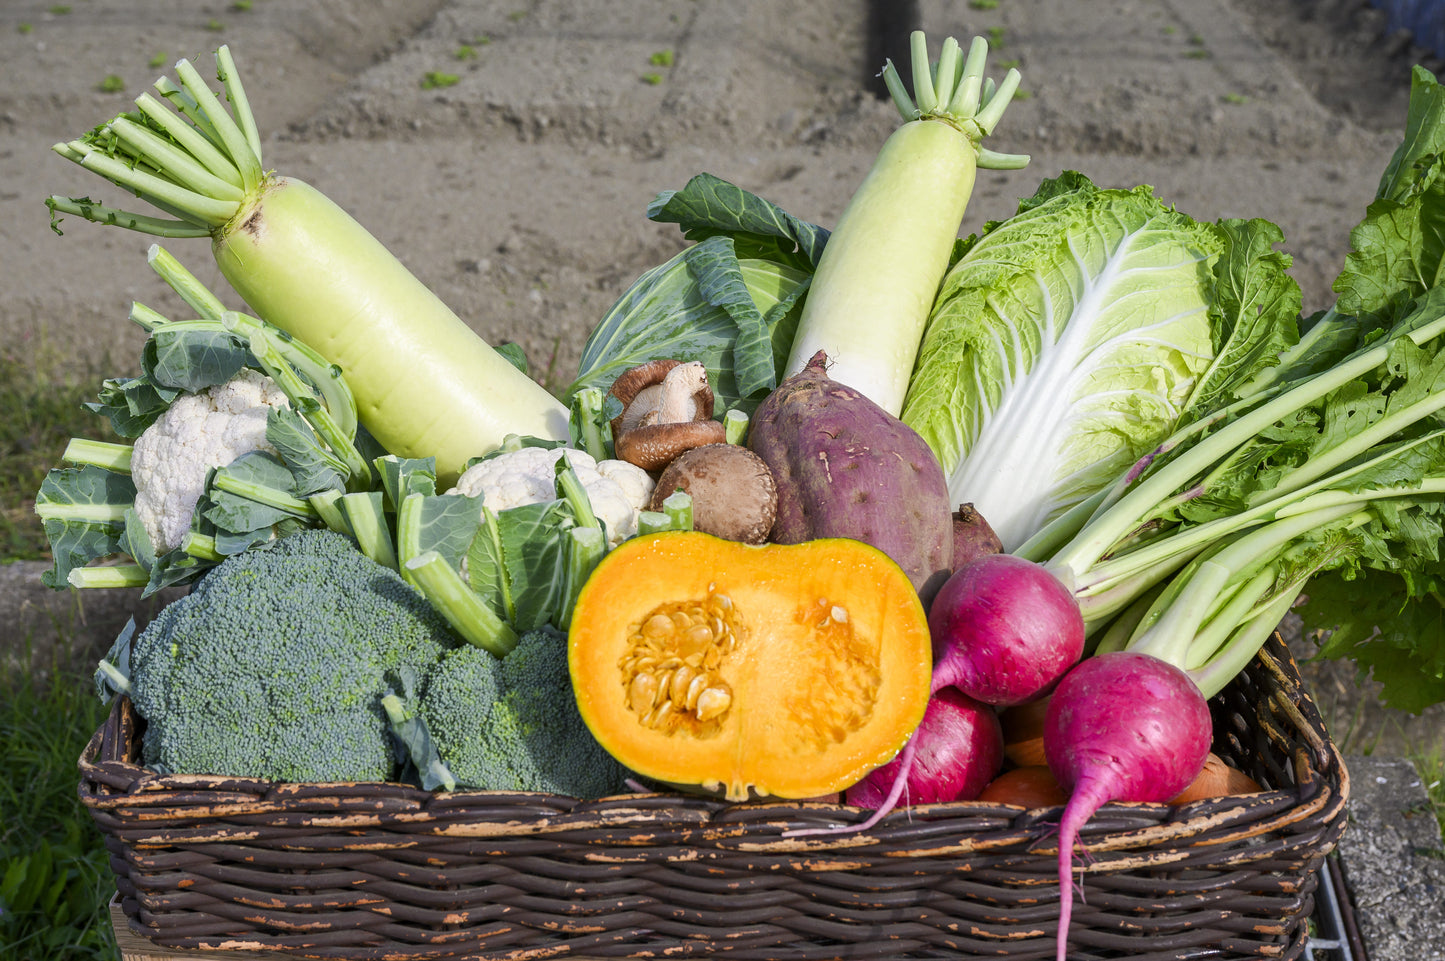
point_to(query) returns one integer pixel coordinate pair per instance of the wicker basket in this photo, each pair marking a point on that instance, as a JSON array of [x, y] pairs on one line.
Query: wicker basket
[[362, 871]]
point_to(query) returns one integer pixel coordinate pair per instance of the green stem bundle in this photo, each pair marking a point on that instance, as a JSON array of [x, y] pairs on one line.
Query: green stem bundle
[[1196, 555]]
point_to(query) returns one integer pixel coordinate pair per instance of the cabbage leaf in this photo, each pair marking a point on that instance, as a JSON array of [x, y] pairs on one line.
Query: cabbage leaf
[[731, 300], [1072, 338]]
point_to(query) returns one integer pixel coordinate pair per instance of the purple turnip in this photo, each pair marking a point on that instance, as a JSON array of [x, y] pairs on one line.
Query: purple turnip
[[1004, 629], [845, 467], [1121, 726]]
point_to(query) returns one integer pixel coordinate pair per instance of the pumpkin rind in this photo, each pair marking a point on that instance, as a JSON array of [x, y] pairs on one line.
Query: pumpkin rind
[[780, 670]]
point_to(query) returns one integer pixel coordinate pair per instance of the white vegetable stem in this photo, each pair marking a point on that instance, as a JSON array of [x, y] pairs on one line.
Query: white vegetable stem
[[876, 281], [425, 383]]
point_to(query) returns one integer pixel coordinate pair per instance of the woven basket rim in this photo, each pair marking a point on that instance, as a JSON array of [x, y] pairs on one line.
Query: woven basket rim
[[112, 780], [363, 871]]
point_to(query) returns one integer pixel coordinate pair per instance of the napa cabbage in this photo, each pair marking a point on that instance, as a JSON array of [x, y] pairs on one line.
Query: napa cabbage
[[1069, 340]]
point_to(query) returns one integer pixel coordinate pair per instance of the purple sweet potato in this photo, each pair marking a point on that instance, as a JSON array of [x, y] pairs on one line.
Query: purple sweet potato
[[972, 536], [845, 467]]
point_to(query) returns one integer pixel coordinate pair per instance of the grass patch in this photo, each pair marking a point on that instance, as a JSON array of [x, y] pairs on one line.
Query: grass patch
[[1431, 768], [436, 79], [43, 410], [55, 877]]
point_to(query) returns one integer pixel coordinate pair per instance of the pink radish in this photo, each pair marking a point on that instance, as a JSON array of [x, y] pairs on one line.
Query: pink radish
[[1121, 726], [958, 749], [1003, 629]]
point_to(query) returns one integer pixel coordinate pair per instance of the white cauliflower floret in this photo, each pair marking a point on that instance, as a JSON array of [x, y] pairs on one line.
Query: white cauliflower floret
[[200, 431], [618, 490], [636, 483]]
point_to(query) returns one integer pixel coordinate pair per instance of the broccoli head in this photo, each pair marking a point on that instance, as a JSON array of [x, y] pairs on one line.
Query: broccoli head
[[274, 665], [512, 724]]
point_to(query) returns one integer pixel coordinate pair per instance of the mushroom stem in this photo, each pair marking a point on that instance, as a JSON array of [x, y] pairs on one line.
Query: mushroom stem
[[676, 402]]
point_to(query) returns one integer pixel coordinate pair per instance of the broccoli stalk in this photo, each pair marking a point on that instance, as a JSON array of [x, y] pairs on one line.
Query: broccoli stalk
[[414, 742], [736, 421], [465, 558], [585, 547], [112, 672], [590, 426], [467, 613], [327, 505], [676, 515], [365, 516], [372, 517]]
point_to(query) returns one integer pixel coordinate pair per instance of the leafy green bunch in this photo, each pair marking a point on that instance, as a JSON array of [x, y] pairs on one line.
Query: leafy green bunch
[[1321, 475]]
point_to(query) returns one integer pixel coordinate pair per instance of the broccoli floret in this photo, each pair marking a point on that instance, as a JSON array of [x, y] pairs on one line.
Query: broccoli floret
[[513, 725], [274, 665]]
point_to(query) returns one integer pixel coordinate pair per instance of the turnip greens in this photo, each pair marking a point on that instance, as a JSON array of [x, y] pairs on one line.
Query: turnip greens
[[1322, 476]]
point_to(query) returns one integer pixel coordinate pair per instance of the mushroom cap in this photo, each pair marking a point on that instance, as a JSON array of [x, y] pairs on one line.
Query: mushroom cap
[[639, 390], [654, 446], [734, 495], [639, 436]]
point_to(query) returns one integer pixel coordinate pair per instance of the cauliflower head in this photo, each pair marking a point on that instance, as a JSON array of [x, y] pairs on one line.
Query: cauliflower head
[[619, 491], [199, 432]]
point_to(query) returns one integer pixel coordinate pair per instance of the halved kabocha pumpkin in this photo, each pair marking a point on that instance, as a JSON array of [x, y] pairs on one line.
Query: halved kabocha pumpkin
[[750, 670]]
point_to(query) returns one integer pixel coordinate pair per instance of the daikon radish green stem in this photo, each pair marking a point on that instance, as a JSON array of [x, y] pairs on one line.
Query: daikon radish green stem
[[425, 383], [879, 273], [196, 294]]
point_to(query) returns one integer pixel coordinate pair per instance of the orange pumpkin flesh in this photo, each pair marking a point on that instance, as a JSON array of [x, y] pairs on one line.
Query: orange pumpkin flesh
[[781, 670]]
